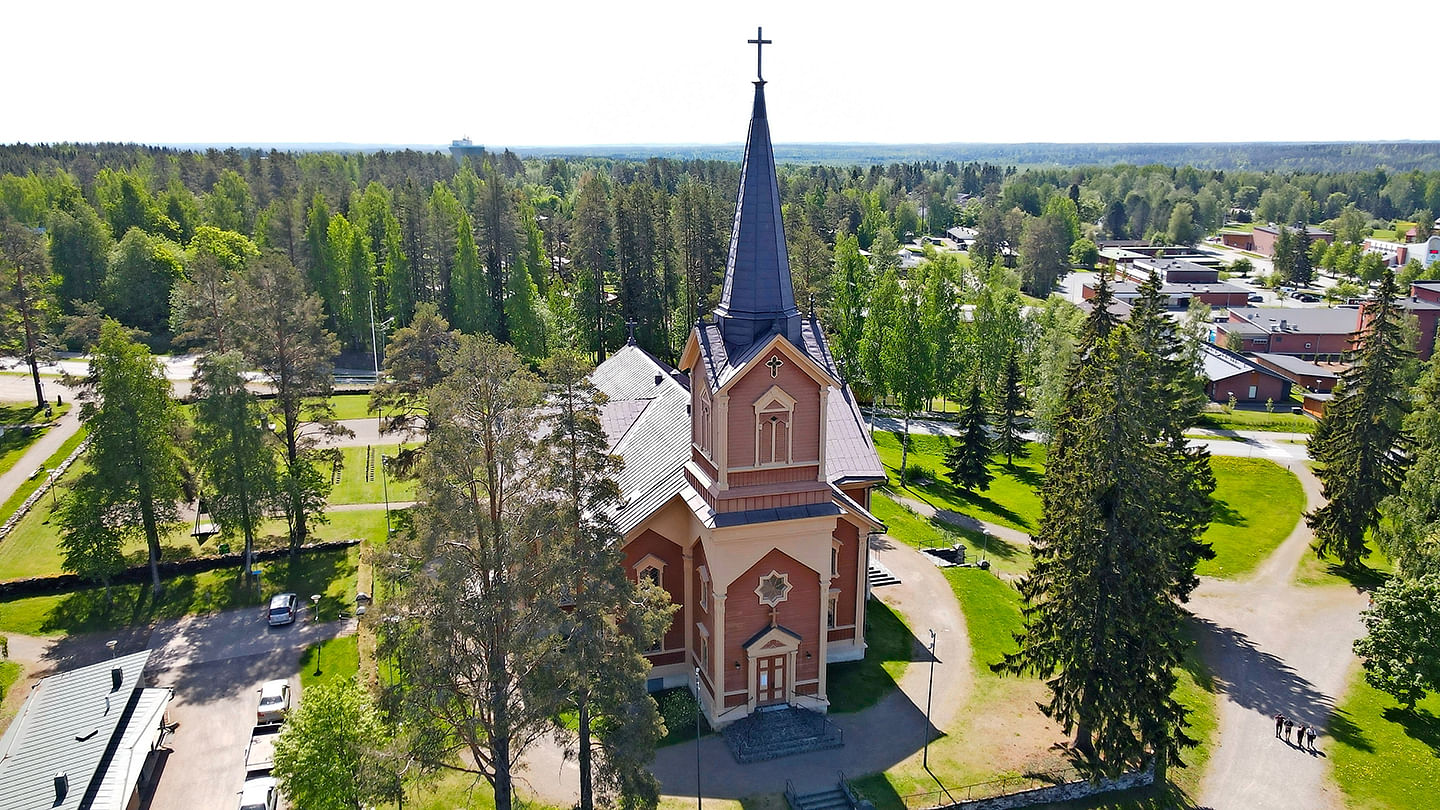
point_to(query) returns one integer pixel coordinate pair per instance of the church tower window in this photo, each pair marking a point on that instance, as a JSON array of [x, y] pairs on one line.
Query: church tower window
[[774, 412]]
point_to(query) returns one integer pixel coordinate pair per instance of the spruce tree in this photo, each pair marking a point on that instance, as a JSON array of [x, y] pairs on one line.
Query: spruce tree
[[1410, 533], [1361, 445], [968, 458], [1125, 504], [1011, 420]]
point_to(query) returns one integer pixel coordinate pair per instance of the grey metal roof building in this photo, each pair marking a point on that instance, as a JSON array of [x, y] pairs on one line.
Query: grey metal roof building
[[82, 739]]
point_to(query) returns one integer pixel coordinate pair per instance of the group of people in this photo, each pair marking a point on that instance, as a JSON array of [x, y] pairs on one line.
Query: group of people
[[1304, 735]]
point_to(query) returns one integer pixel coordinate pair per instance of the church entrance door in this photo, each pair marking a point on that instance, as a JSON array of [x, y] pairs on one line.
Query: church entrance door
[[770, 680]]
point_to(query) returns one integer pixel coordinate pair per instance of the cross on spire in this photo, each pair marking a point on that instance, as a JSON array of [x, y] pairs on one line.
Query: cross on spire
[[630, 326], [759, 42]]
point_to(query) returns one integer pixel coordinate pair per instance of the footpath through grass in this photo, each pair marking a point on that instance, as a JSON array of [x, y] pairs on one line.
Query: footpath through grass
[[1385, 756], [1257, 504], [31, 484], [1012, 500]]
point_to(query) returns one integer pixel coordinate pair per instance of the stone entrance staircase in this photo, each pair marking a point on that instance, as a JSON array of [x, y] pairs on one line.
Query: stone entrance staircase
[[780, 733], [878, 575], [839, 797]]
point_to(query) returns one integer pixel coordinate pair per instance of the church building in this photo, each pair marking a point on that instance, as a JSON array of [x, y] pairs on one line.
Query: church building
[[746, 485]]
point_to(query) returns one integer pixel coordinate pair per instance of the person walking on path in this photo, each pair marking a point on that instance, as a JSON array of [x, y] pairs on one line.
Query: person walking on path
[[1289, 726], [1279, 724], [1310, 734]]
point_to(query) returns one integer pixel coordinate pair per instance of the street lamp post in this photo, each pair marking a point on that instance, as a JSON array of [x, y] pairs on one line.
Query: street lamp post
[[315, 617], [929, 690], [698, 800]]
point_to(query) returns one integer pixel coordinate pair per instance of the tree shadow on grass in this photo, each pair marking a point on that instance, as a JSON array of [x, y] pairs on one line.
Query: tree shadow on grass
[[857, 685], [1222, 512], [1361, 577], [1165, 796], [1419, 724], [941, 491]]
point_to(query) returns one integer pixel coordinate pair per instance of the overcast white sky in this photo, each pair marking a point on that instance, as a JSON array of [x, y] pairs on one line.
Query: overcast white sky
[[556, 72]]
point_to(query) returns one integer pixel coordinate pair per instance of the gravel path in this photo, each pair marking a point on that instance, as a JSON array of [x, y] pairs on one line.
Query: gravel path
[[1275, 646]]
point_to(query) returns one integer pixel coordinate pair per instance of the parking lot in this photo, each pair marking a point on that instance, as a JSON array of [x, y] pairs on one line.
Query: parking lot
[[216, 665]]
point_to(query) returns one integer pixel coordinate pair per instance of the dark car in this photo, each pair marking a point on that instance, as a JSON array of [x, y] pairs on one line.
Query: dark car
[[1255, 298]]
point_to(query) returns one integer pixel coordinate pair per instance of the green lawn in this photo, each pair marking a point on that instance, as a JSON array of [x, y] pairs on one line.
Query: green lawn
[[889, 649], [331, 574], [339, 659], [31, 484], [15, 442], [353, 488], [1012, 500], [1372, 573], [1257, 420], [1383, 755], [1257, 504], [351, 406]]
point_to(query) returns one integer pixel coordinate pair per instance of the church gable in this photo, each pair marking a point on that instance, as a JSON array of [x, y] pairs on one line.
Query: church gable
[[774, 414]]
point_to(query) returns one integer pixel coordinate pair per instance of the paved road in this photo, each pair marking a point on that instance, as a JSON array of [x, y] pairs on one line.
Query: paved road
[[216, 664], [877, 738]]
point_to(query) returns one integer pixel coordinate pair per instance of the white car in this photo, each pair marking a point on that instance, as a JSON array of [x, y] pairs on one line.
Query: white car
[[283, 607], [274, 703], [259, 794]]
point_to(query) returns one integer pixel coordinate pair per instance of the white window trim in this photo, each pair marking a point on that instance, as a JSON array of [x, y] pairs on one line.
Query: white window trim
[[647, 562], [832, 610], [704, 587], [784, 591]]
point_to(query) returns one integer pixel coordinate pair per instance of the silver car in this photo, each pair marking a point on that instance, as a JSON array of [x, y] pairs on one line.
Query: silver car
[[259, 794], [274, 703], [282, 609]]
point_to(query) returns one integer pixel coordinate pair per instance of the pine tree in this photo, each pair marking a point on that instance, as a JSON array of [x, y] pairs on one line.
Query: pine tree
[[1361, 444], [1011, 421], [612, 619], [1302, 267], [968, 458], [1410, 533]]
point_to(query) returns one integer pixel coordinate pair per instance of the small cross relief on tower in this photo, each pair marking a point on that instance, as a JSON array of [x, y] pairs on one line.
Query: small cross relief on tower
[[775, 363]]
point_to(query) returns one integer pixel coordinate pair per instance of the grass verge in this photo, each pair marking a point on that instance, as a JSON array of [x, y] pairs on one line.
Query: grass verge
[[1385, 756], [1256, 420], [336, 659], [910, 528], [1257, 504]]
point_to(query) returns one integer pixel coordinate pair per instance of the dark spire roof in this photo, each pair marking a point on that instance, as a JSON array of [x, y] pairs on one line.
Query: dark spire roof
[[757, 297]]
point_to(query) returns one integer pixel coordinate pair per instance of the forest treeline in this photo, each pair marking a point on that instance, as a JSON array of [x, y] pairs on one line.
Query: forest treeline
[[549, 254]]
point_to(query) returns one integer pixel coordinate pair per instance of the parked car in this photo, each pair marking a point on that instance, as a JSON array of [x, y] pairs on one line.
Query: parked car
[[1255, 298], [282, 609], [260, 794], [274, 702], [1305, 297]]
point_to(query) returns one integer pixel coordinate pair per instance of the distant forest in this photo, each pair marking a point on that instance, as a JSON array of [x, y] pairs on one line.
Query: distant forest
[[547, 253], [1293, 157]]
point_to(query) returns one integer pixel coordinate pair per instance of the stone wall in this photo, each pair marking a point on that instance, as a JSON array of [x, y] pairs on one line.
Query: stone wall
[[1068, 791]]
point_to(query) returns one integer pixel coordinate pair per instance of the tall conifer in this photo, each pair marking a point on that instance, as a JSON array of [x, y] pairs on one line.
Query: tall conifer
[[968, 458], [1361, 444]]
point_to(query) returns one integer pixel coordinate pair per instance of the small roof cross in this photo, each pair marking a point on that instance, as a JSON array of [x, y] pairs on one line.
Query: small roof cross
[[759, 42], [775, 363], [630, 326]]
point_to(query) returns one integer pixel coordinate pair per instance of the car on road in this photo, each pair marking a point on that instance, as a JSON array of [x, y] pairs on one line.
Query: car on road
[[260, 794], [1305, 297], [283, 607], [1255, 298], [274, 703]]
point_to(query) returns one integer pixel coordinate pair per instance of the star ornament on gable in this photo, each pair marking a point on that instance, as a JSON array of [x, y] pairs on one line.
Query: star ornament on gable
[[774, 588]]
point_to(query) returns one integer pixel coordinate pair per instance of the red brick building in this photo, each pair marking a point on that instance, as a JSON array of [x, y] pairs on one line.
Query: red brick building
[[1263, 238], [1310, 333], [1228, 374], [747, 480]]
